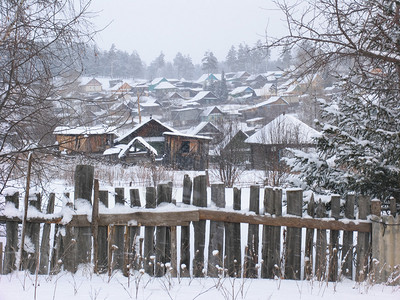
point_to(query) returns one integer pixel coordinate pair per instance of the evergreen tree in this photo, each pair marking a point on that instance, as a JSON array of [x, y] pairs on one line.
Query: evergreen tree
[[209, 63], [231, 60], [222, 89]]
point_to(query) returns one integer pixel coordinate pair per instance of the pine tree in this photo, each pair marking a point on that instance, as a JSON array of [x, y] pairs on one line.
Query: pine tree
[[231, 60], [209, 63]]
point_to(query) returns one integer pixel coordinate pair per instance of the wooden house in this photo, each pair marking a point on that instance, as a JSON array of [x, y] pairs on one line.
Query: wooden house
[[207, 129], [242, 94], [205, 98], [152, 133], [268, 109], [186, 152], [92, 86], [84, 139], [236, 149], [268, 145], [212, 114], [155, 82], [185, 117]]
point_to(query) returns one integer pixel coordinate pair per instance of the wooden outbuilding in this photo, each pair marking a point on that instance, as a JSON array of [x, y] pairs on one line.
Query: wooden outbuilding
[[84, 139], [186, 152]]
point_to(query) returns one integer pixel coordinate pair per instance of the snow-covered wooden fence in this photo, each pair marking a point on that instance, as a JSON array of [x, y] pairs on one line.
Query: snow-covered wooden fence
[[290, 239]]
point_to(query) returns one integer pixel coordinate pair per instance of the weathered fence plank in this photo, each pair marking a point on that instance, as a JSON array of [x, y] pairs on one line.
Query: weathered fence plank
[[134, 232], [348, 236], [320, 252], [45, 243], [102, 238], [334, 240], [12, 237], [149, 234], [233, 254], [293, 236], [200, 200], [185, 230], [309, 246], [385, 249], [119, 232], [363, 248], [84, 176], [251, 251], [271, 250], [95, 226], [30, 253], [216, 241], [162, 246]]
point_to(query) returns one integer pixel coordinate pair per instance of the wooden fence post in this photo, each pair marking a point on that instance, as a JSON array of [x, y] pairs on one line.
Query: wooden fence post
[[385, 245], [69, 246], [102, 238], [119, 233], [12, 237], [320, 252], [95, 226], [134, 231], [184, 265], [163, 248], [30, 258], [309, 247], [84, 176], [233, 254], [271, 243], [363, 249], [45, 244], [200, 200], [58, 247], [334, 240], [215, 246], [347, 248], [251, 251], [1, 258], [149, 257], [293, 235]]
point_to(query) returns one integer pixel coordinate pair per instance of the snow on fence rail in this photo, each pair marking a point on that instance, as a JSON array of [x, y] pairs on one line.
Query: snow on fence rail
[[293, 246]]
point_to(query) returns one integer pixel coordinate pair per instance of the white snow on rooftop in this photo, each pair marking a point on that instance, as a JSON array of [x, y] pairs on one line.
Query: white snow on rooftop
[[285, 129]]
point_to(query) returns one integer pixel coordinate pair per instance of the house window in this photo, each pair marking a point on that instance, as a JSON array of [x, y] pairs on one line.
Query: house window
[[185, 147]]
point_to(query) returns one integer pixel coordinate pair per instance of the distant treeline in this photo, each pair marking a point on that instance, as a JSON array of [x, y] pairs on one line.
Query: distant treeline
[[116, 63]]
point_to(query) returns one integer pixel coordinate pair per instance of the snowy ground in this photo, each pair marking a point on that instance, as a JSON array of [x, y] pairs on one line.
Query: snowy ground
[[85, 285]]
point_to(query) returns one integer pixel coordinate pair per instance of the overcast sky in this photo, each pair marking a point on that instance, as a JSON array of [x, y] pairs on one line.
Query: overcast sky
[[187, 26]]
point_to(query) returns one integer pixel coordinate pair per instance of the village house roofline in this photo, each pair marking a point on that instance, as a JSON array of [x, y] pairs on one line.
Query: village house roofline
[[199, 137], [287, 123], [141, 141], [140, 125], [82, 130]]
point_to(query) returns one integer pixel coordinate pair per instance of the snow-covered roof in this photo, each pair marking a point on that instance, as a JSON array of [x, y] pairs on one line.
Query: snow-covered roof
[[156, 80], [195, 130], [202, 95], [141, 141], [82, 130], [240, 89], [201, 137], [165, 85], [140, 125], [208, 111], [115, 150], [285, 129]]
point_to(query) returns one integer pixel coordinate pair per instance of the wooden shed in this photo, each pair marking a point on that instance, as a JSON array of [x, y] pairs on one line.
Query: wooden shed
[[269, 144], [187, 152], [84, 139]]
